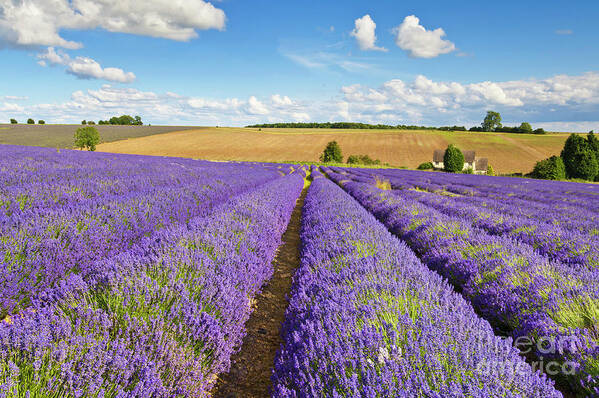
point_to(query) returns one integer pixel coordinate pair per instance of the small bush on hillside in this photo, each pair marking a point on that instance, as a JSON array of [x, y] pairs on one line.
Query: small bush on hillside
[[362, 159], [30, 121], [490, 170], [91, 122], [425, 166], [13, 121], [41, 122], [550, 169], [332, 153], [453, 161], [83, 122], [87, 137], [539, 131]]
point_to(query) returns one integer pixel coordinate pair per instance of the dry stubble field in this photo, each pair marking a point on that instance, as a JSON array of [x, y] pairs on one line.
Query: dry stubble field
[[506, 152]]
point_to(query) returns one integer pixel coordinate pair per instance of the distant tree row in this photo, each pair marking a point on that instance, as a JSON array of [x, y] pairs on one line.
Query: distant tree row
[[579, 159], [29, 121], [492, 122], [351, 125], [124, 120]]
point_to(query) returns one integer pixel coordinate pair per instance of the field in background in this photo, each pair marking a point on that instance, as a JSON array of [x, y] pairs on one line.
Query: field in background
[[506, 152], [61, 135]]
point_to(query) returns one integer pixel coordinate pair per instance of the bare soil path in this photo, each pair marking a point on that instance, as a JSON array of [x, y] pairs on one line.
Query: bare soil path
[[251, 367]]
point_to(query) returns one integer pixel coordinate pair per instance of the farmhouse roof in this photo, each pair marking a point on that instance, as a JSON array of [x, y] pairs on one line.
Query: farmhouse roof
[[482, 164], [438, 155], [469, 156]]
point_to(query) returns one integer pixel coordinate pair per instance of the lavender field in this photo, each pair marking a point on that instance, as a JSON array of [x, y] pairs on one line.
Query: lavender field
[[137, 276]]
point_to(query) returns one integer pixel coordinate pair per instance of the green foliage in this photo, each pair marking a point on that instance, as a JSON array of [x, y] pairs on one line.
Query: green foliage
[[492, 121], [91, 122], [469, 170], [87, 137], [490, 170], [30, 121], [539, 131], [83, 122], [425, 166], [332, 153], [580, 158], [126, 120], [13, 121], [362, 159], [41, 122], [525, 128], [550, 169], [453, 161]]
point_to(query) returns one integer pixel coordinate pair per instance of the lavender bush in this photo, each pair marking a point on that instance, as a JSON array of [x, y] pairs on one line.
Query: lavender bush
[[367, 318]]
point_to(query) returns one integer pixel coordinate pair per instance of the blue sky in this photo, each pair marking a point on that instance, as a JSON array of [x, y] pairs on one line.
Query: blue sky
[[235, 62]]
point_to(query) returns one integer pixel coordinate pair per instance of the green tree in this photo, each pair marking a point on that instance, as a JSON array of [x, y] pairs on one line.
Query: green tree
[[332, 153], [525, 128], [87, 137], [41, 122], [30, 121], [492, 121], [539, 131], [138, 121], [84, 122], [425, 166], [13, 121], [579, 158], [453, 161], [490, 171], [550, 169]]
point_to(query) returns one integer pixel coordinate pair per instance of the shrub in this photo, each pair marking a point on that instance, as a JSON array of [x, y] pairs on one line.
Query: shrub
[[550, 169], [362, 159], [87, 137], [539, 131], [41, 122], [490, 170], [91, 122], [453, 160], [30, 121], [332, 153], [469, 170], [525, 128], [579, 158], [83, 122], [13, 121], [425, 166]]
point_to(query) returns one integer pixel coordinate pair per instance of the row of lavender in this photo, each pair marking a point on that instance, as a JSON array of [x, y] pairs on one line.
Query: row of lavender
[[162, 311], [367, 318], [571, 241], [63, 212], [549, 302]]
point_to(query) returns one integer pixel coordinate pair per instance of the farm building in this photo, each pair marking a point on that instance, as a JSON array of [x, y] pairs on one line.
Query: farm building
[[478, 165]]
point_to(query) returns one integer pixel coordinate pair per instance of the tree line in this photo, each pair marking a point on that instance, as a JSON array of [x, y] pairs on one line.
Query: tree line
[[491, 123]]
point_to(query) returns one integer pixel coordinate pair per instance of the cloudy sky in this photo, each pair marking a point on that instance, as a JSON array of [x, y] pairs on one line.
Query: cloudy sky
[[234, 62]]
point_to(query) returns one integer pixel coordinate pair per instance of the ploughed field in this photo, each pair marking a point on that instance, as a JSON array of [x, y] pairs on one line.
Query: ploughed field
[[62, 135], [136, 276]]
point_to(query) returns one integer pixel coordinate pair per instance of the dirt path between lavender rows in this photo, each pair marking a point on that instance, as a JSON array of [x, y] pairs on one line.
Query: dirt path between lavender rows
[[251, 367]]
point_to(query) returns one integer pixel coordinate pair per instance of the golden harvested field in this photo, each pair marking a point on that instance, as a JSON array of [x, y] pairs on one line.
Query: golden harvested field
[[506, 152]]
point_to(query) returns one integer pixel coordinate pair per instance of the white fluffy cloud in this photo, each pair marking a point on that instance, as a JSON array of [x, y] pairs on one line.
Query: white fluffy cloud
[[365, 35], [423, 100], [419, 42], [84, 67], [562, 102], [26, 23]]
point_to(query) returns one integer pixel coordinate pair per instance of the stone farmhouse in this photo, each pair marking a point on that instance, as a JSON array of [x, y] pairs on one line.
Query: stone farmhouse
[[478, 165]]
